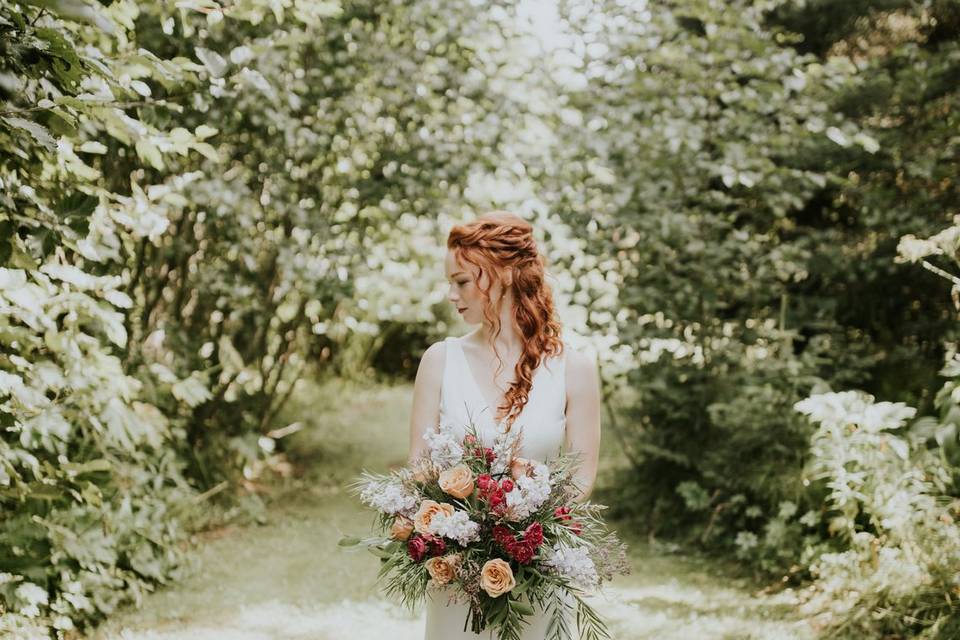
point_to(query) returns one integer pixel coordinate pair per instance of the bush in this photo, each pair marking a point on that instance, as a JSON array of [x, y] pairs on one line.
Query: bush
[[894, 562]]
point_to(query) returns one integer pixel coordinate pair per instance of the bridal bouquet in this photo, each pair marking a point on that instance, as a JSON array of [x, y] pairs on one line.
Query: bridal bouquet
[[491, 527]]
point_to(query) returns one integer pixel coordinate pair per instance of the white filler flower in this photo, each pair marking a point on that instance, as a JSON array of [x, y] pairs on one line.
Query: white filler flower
[[457, 527], [529, 492], [572, 563], [388, 496], [445, 448]]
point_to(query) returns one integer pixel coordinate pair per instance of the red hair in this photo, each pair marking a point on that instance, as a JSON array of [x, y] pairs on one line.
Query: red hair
[[497, 242]]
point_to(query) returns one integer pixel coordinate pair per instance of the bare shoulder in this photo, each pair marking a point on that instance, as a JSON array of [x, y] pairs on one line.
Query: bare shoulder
[[581, 369], [432, 361]]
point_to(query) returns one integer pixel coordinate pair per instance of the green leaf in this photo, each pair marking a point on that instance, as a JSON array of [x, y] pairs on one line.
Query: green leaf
[[91, 466], [37, 131], [213, 61], [380, 552], [77, 204], [520, 606], [348, 541], [76, 10]]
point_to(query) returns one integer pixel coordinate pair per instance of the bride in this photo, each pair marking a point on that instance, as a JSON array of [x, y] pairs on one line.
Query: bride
[[548, 391]]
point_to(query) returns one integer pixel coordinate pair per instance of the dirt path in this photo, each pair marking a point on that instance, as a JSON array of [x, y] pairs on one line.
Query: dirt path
[[289, 580]]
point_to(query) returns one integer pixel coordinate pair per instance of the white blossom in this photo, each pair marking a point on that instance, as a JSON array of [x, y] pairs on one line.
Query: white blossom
[[33, 596], [529, 492], [457, 526], [445, 448], [388, 496], [572, 563]]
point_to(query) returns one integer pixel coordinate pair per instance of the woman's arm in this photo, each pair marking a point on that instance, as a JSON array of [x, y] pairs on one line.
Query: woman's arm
[[426, 398], [583, 418]]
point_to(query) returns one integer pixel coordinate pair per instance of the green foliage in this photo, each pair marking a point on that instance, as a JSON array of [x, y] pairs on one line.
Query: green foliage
[[755, 187], [896, 545], [759, 164], [195, 205]]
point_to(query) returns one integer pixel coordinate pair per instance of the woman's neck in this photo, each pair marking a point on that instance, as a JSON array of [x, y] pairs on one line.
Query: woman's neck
[[509, 341]]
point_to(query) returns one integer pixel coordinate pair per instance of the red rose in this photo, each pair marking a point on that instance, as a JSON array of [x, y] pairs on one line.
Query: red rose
[[488, 453], [533, 535], [507, 485], [417, 548]]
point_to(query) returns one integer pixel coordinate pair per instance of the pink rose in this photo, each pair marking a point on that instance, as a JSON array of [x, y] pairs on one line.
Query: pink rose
[[437, 546], [428, 509], [443, 570], [417, 548], [496, 577], [402, 528], [457, 481]]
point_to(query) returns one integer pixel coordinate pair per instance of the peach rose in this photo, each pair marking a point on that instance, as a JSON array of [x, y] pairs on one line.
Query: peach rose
[[457, 481], [443, 568], [520, 467], [428, 509], [496, 578], [402, 528]]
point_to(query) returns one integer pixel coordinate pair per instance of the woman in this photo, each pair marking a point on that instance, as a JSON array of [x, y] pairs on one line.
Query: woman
[[548, 391]]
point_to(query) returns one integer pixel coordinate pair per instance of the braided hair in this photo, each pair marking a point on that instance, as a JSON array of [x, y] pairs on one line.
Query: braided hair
[[497, 242]]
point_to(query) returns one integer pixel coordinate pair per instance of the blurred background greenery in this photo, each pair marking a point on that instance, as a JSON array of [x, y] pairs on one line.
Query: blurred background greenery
[[210, 208]]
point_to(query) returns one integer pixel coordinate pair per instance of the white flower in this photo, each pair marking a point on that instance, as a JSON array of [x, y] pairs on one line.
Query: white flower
[[529, 492], [33, 596], [572, 563], [457, 527], [746, 540], [445, 448], [388, 496]]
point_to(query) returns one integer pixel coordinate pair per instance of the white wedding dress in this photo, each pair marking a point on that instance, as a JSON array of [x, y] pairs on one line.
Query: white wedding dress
[[542, 422]]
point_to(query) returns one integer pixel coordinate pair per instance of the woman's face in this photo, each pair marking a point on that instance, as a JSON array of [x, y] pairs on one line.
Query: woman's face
[[464, 294]]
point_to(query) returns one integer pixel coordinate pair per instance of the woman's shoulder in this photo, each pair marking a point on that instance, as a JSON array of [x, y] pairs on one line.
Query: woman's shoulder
[[435, 354], [580, 358]]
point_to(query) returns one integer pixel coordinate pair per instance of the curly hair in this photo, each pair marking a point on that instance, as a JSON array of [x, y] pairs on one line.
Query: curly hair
[[497, 242]]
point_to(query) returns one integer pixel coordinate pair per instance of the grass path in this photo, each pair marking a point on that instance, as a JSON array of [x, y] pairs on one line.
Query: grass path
[[287, 579]]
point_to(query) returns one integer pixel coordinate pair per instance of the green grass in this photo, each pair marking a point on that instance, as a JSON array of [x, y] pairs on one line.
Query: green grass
[[288, 579]]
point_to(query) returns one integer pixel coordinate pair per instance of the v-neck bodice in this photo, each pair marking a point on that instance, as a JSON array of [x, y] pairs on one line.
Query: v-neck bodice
[[542, 420]]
